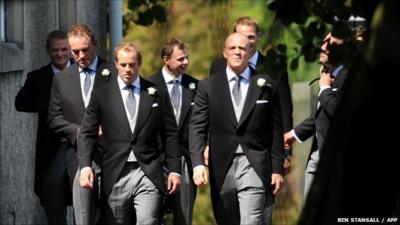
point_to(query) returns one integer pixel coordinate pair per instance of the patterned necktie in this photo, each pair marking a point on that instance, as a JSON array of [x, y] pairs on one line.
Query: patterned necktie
[[237, 94], [131, 101], [88, 82], [175, 97]]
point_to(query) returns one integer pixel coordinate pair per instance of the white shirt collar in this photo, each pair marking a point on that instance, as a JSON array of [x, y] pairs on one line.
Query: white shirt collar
[[56, 70], [169, 77], [92, 66], [135, 83], [253, 59], [245, 74]]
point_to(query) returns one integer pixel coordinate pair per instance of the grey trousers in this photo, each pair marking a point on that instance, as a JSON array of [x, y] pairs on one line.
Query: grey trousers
[[85, 201], [311, 168], [268, 209], [243, 193], [134, 198], [183, 201], [55, 186]]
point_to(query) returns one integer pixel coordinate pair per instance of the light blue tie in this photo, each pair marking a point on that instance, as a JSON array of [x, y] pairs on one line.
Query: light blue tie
[[88, 82]]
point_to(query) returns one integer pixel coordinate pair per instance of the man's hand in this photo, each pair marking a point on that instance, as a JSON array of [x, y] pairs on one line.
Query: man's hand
[[326, 78], [100, 131], [276, 182], [205, 154], [286, 164], [200, 176], [288, 139], [86, 179], [174, 182]]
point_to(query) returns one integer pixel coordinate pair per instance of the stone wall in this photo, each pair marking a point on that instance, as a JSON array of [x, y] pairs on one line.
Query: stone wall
[[18, 203]]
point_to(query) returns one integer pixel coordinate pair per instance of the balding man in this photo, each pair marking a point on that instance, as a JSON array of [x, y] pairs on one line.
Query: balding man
[[236, 112]]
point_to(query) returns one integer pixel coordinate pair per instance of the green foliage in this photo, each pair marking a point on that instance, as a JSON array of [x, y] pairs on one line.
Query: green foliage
[[145, 12]]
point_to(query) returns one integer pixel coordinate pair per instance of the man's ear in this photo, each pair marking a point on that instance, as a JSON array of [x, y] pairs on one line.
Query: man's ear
[[165, 59], [224, 53]]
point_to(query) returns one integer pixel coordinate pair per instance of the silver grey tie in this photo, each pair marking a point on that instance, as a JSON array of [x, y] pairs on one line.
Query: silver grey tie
[[88, 82], [237, 94], [131, 101], [175, 97]]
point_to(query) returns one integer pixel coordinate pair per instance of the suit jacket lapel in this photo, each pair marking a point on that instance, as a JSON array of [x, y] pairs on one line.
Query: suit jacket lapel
[[117, 103], [145, 105], [75, 86], [225, 101], [187, 96], [159, 80], [251, 98]]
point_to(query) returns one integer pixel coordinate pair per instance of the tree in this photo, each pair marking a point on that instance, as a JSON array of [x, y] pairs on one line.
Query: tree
[[357, 151]]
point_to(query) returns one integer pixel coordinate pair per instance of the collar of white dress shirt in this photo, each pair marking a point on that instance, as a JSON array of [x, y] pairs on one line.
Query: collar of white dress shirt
[[92, 66], [253, 59], [135, 83], [56, 70], [169, 77], [245, 74]]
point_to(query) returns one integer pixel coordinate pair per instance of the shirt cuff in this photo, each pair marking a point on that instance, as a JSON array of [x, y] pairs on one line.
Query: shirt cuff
[[295, 136], [85, 169], [198, 167], [176, 174]]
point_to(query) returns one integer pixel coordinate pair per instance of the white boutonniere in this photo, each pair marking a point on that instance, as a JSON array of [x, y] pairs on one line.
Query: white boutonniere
[[261, 82], [106, 73], [192, 86], [151, 90]]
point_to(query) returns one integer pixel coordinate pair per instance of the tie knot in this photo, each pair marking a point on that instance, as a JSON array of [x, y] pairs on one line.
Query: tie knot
[[174, 82], [237, 78], [87, 70], [130, 87]]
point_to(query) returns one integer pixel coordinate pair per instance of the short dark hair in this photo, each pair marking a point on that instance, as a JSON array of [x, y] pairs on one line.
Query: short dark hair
[[80, 29], [169, 46], [55, 35], [246, 20]]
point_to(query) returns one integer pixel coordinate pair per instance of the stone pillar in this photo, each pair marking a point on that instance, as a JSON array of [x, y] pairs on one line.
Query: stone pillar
[[94, 13], [18, 202], [302, 104]]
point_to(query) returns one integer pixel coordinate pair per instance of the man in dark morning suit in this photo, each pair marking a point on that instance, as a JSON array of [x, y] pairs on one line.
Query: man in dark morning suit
[[51, 177], [70, 95], [237, 114], [332, 76], [128, 110], [249, 27], [177, 91]]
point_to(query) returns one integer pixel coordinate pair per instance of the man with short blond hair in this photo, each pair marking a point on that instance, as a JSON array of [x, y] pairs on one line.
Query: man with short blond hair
[[128, 110]]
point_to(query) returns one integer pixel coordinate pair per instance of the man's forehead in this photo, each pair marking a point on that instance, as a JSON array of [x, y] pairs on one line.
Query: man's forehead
[[236, 39]]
